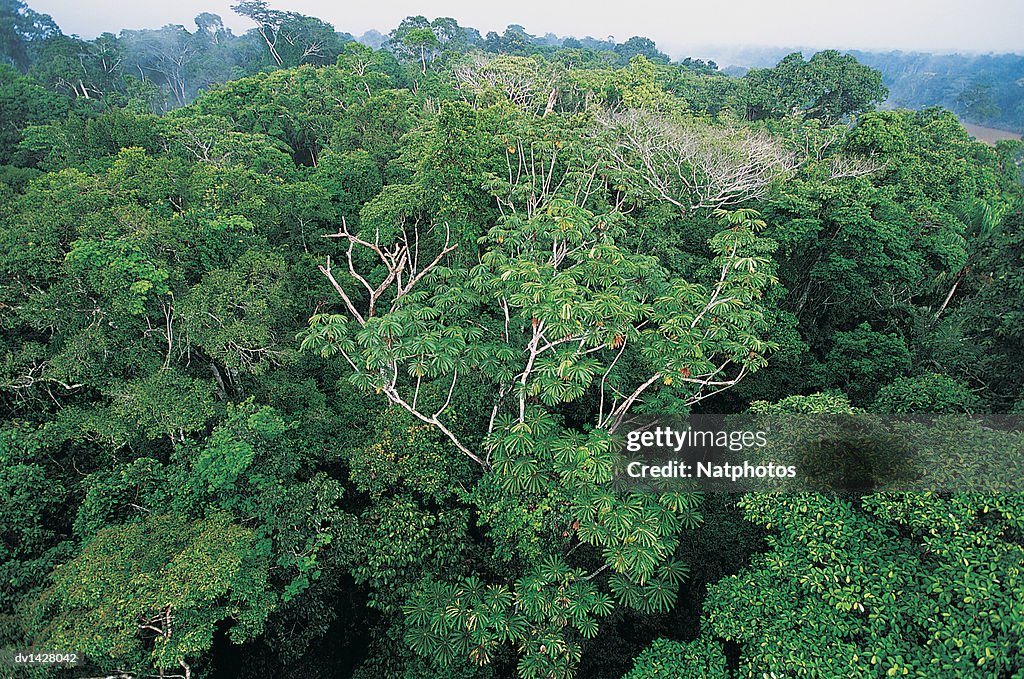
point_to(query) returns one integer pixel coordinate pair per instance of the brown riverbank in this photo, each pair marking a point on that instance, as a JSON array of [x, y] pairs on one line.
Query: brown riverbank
[[989, 135]]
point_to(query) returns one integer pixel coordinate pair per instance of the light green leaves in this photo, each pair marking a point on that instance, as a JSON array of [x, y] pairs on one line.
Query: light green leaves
[[154, 592]]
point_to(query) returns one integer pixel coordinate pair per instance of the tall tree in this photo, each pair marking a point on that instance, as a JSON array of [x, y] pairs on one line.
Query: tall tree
[[829, 86]]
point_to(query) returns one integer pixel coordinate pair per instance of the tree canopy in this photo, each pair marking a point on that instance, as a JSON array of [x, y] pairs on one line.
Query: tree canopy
[[316, 357]]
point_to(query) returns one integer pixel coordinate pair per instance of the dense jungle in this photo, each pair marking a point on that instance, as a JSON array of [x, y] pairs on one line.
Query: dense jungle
[[313, 354]]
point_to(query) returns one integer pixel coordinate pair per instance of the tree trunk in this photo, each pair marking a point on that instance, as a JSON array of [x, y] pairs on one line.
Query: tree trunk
[[952, 291], [552, 100], [221, 388], [273, 49]]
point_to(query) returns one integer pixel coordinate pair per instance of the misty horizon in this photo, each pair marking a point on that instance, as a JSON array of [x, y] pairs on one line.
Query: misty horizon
[[987, 27]]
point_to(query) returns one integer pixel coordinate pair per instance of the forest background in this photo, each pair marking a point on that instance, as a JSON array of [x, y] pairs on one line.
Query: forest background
[[313, 352]]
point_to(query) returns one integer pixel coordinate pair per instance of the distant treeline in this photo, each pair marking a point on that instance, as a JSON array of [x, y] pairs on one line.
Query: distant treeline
[[165, 68], [987, 89]]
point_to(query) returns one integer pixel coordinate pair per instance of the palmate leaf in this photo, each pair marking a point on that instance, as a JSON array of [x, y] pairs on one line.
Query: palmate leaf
[[525, 475], [423, 343], [471, 588], [503, 465], [565, 448], [578, 609], [588, 628], [615, 556], [363, 380], [481, 654], [658, 596], [460, 615], [592, 533], [552, 568], [518, 442], [626, 592], [601, 603], [422, 639], [673, 572], [531, 599], [641, 562], [645, 535], [680, 502], [450, 647], [327, 334], [541, 422], [548, 390], [497, 598], [443, 363]]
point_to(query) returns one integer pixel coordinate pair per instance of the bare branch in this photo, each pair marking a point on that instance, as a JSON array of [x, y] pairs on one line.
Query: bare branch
[[695, 167]]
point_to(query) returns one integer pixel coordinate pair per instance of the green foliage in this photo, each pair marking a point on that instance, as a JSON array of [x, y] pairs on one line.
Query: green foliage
[[161, 404], [828, 86], [31, 510], [862, 360], [992, 318], [405, 539], [252, 465], [471, 619], [929, 393], [231, 314], [118, 495], [894, 587], [151, 594], [376, 125], [555, 312], [664, 659], [23, 102], [402, 465], [404, 454], [120, 268], [889, 584]]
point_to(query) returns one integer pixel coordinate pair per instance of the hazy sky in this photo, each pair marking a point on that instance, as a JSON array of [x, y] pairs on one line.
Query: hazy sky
[[677, 26]]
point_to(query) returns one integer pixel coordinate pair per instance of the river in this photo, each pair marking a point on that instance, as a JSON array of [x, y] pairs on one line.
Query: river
[[989, 135]]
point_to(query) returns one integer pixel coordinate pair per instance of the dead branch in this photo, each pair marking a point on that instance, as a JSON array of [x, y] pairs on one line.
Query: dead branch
[[695, 167]]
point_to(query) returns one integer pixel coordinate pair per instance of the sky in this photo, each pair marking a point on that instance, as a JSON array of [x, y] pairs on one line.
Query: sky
[[679, 27]]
